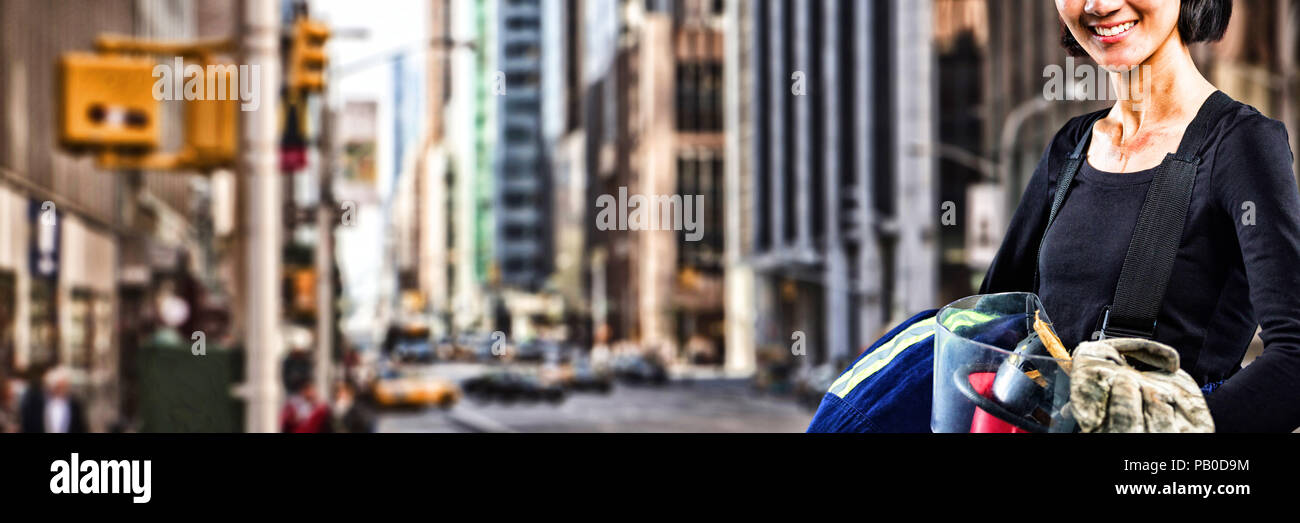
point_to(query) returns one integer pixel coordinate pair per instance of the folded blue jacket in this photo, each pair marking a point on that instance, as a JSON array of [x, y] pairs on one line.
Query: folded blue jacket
[[890, 387]]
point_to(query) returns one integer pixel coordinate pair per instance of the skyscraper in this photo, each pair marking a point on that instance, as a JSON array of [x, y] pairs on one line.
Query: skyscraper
[[653, 122], [521, 192], [834, 134]]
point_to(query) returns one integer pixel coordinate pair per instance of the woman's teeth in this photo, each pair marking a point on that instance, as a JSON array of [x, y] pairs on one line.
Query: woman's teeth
[[1114, 30]]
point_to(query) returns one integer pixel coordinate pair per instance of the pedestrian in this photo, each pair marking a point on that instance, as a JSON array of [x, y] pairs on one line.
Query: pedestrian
[[351, 414], [303, 412], [51, 408]]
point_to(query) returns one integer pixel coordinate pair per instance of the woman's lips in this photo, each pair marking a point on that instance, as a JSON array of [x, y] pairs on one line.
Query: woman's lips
[[1111, 33]]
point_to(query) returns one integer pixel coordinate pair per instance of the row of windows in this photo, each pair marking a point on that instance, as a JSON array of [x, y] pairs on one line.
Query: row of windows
[[687, 9], [780, 143], [702, 176], [699, 96], [523, 50], [522, 24]]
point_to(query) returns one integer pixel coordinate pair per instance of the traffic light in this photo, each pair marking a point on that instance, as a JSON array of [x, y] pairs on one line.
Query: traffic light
[[307, 56], [211, 124], [293, 135], [302, 292], [108, 101]]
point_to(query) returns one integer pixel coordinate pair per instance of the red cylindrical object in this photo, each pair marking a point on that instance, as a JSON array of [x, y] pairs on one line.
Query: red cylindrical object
[[983, 422]]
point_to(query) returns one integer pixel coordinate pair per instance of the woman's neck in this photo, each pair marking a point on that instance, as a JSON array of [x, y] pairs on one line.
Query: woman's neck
[[1165, 89]]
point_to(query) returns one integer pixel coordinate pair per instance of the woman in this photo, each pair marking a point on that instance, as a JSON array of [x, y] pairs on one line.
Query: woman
[[1238, 257]]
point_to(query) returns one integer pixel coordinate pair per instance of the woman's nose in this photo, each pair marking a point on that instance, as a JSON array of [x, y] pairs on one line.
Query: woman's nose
[[1102, 8]]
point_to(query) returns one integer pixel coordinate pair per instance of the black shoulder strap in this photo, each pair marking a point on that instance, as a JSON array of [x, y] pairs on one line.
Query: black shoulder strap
[[1064, 180], [1159, 230]]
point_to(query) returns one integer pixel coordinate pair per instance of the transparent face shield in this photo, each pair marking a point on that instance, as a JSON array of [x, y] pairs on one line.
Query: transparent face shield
[[994, 372]]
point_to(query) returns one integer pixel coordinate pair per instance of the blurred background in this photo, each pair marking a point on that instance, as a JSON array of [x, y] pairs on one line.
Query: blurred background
[[403, 232]]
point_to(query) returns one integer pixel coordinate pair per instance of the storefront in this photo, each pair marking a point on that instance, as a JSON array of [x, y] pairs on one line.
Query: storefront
[[86, 298], [13, 283], [57, 297]]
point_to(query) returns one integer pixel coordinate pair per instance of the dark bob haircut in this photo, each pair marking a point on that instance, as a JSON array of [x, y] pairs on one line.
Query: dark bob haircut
[[1198, 21]]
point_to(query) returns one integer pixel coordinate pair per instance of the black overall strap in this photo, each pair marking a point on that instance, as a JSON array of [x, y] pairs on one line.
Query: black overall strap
[[1159, 230], [1063, 182]]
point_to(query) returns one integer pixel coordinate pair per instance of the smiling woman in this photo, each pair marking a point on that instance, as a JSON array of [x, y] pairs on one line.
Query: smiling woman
[[1166, 178], [1196, 20]]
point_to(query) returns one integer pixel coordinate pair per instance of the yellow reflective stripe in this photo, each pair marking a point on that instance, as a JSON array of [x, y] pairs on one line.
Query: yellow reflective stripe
[[925, 325], [920, 327], [961, 319], [864, 373], [882, 356]]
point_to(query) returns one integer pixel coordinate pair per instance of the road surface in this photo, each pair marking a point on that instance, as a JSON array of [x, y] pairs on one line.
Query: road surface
[[712, 406]]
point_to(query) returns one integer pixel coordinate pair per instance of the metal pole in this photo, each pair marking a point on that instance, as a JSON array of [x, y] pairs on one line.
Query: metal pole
[[325, 251], [916, 267], [259, 41]]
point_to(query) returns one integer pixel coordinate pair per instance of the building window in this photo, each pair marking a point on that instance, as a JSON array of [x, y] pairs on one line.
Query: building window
[[699, 96], [701, 174], [43, 319]]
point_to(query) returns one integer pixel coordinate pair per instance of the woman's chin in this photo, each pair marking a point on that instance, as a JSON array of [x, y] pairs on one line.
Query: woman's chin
[[1118, 62], [1118, 59], [1119, 66]]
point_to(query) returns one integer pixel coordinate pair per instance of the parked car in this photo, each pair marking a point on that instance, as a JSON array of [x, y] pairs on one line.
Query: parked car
[[530, 351], [638, 368], [584, 376], [475, 346]]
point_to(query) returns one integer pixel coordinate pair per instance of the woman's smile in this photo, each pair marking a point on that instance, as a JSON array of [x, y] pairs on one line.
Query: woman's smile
[[1113, 32], [1121, 34]]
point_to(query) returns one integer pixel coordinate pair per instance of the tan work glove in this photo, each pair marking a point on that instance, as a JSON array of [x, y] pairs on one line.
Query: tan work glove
[[1107, 394]]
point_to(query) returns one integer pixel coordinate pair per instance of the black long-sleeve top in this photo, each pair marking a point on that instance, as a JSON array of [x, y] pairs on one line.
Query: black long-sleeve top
[[1238, 263]]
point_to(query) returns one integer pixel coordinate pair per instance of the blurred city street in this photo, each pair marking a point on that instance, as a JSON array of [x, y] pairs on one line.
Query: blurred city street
[[694, 406], [507, 215]]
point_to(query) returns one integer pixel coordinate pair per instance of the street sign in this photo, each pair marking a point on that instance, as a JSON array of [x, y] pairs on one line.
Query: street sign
[[46, 225]]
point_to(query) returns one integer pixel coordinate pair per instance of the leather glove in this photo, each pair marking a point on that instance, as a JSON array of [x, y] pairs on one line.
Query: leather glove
[[1134, 385]]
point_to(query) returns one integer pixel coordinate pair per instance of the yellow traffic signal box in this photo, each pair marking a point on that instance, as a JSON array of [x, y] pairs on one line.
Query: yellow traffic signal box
[[307, 56], [211, 124], [108, 101], [304, 291]]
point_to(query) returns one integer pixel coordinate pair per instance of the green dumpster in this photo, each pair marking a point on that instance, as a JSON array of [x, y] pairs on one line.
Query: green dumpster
[[184, 392]]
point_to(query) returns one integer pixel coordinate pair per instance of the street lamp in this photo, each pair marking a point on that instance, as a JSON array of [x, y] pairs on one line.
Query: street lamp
[[440, 44]]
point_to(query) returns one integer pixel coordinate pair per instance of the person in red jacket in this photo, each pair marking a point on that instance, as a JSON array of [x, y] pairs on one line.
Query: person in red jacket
[[303, 412]]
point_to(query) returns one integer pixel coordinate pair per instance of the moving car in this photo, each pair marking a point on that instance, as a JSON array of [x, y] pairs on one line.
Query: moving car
[[395, 389], [408, 343], [417, 351], [509, 386]]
